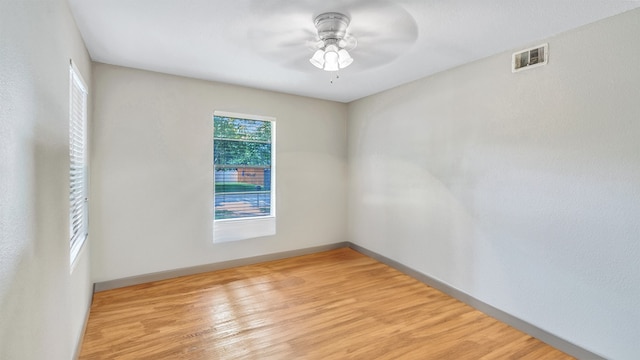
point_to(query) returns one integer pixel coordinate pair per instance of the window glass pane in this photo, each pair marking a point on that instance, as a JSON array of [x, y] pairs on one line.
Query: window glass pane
[[242, 161], [242, 205]]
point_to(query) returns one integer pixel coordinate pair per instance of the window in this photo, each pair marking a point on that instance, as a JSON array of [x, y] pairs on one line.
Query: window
[[78, 160], [244, 176]]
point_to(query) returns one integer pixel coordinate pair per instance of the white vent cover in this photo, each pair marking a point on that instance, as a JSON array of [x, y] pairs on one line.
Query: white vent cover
[[530, 58]]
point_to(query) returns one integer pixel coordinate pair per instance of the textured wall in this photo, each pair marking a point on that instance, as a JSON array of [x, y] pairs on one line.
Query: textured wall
[[522, 190], [152, 172], [42, 305]]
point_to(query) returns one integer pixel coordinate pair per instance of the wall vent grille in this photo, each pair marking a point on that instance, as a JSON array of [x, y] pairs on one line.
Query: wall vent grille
[[530, 58]]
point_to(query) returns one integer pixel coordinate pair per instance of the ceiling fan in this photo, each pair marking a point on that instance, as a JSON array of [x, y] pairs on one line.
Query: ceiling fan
[[332, 35], [334, 44]]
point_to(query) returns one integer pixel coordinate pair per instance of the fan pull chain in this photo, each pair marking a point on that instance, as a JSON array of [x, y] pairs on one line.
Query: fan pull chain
[[331, 76]]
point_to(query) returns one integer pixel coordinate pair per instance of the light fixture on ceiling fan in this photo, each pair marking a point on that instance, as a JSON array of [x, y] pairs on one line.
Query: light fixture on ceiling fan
[[332, 54]]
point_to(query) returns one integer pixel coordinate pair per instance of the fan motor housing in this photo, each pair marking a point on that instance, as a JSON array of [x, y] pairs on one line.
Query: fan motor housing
[[332, 25]]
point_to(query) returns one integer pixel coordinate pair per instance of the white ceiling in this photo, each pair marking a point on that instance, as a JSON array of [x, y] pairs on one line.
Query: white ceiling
[[265, 43]]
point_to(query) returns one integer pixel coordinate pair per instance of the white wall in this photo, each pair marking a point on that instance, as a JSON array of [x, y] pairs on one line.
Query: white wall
[[152, 174], [42, 306], [522, 190]]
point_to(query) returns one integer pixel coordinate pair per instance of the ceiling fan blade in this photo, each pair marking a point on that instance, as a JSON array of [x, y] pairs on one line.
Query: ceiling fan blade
[[348, 42], [376, 28], [372, 58]]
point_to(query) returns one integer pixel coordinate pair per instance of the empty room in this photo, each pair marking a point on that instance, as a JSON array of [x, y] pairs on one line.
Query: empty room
[[411, 179]]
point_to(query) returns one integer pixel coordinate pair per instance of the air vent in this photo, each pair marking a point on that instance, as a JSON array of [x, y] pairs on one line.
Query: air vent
[[530, 58]]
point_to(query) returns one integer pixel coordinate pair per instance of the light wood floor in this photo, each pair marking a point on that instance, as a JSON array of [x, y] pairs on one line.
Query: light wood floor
[[332, 305]]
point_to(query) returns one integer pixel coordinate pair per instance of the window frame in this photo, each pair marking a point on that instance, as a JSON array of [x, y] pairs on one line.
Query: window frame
[[234, 229], [78, 164]]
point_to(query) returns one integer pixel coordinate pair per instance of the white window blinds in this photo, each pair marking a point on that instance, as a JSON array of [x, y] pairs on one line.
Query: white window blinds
[[78, 161], [243, 174], [244, 159]]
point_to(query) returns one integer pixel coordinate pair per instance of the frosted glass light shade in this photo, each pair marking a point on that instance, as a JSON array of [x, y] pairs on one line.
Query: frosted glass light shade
[[331, 58], [318, 59], [344, 59]]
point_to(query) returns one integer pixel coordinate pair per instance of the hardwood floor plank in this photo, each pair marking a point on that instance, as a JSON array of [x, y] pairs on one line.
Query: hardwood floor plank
[[338, 304]]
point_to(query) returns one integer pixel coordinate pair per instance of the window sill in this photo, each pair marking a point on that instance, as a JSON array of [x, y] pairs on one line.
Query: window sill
[[242, 229]]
